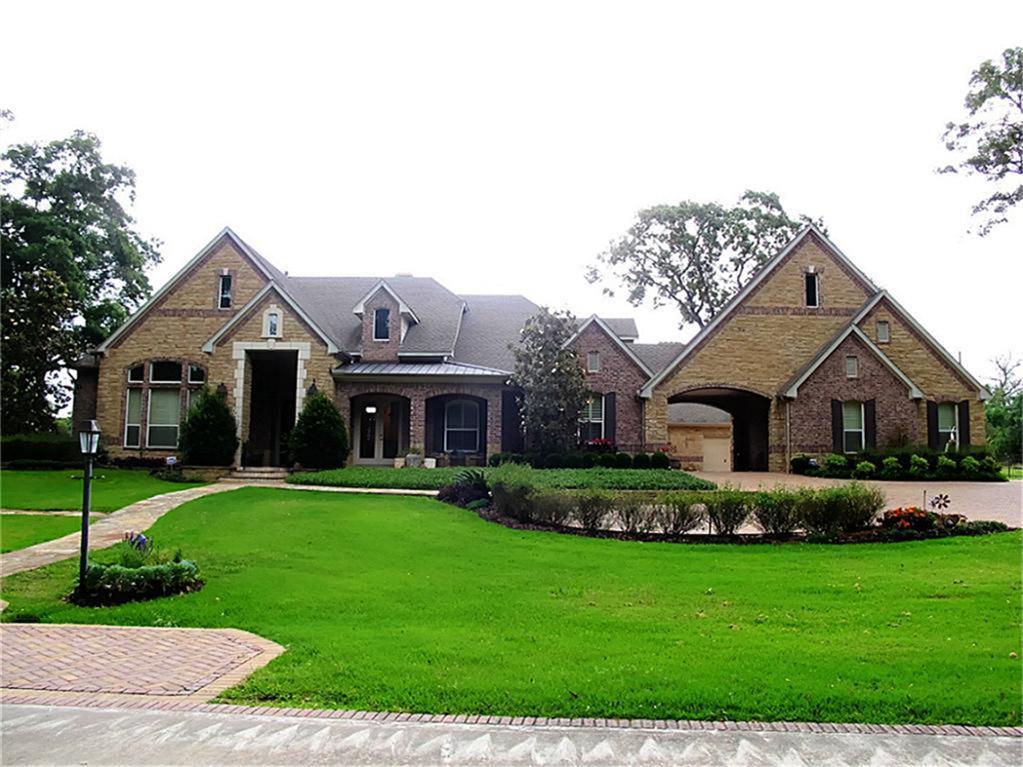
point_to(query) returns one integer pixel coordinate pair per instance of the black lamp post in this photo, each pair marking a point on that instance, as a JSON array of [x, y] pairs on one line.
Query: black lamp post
[[88, 439]]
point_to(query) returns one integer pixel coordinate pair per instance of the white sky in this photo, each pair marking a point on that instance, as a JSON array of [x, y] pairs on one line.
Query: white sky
[[499, 147]]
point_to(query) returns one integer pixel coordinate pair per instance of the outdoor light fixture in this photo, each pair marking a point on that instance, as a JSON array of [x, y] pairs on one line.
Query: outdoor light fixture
[[88, 439], [371, 409]]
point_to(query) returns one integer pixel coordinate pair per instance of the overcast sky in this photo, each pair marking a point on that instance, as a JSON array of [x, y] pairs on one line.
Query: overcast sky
[[499, 147]]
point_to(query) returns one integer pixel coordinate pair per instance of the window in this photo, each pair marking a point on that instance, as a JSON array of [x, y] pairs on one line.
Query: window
[[133, 418], [593, 362], [165, 372], [224, 292], [381, 324], [164, 415], [196, 375], [137, 374], [461, 426], [272, 329], [947, 423], [813, 298], [884, 332], [852, 367], [591, 420], [852, 426]]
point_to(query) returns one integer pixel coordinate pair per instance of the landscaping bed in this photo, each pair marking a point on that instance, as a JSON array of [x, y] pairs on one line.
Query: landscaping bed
[[905, 464], [407, 604], [434, 479]]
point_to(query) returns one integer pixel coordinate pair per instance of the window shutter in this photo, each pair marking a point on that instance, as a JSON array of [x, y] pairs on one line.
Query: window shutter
[[932, 425], [609, 416], [837, 442], [964, 423], [870, 424]]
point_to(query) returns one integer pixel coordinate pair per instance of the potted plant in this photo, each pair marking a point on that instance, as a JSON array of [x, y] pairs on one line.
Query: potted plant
[[399, 462], [414, 458], [430, 463]]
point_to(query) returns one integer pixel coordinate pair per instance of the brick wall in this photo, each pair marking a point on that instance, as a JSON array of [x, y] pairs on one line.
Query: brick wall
[[381, 351]]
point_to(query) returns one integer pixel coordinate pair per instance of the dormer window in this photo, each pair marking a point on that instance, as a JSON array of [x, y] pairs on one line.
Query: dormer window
[[381, 324], [224, 291], [813, 289]]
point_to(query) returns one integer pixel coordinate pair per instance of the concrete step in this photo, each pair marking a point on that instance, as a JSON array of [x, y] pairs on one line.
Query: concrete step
[[258, 474]]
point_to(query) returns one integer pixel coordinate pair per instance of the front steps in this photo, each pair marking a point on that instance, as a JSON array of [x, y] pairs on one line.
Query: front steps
[[256, 474]]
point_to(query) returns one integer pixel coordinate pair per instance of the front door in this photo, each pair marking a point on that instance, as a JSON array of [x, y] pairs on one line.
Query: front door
[[380, 424]]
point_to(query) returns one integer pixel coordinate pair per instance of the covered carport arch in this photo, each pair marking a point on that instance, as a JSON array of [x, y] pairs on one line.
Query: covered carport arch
[[749, 411]]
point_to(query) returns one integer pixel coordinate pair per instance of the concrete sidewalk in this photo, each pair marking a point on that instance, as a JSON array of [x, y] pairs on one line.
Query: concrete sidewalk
[[31, 734]]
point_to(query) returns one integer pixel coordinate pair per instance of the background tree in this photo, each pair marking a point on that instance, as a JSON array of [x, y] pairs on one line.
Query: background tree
[[319, 439], [209, 434], [551, 379], [64, 232], [1004, 412], [990, 141], [695, 255]]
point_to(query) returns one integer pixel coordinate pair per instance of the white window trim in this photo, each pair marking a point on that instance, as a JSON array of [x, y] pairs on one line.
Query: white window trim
[[150, 424], [855, 366], [271, 310], [198, 367], [817, 283], [862, 431], [954, 434], [127, 402], [382, 309], [139, 380], [589, 413], [221, 293], [475, 430], [590, 367], [888, 327], [152, 367]]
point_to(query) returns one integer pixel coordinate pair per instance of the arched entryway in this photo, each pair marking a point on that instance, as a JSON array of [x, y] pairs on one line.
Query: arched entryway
[[749, 411], [380, 428], [456, 425]]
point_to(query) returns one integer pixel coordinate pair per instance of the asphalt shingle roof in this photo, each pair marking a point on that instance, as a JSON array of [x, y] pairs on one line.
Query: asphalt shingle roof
[[696, 413], [489, 326], [656, 356]]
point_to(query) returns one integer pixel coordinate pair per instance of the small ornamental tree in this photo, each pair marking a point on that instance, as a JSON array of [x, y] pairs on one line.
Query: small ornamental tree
[[552, 383], [319, 439], [209, 434]]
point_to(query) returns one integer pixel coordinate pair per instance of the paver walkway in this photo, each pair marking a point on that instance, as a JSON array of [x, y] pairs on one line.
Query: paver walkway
[[32, 734]]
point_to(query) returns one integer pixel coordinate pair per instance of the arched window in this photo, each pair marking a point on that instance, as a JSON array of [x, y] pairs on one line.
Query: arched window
[[461, 426]]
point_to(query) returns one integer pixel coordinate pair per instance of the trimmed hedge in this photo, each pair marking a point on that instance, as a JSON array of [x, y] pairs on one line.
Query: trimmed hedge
[[44, 448], [116, 584], [583, 460], [903, 464]]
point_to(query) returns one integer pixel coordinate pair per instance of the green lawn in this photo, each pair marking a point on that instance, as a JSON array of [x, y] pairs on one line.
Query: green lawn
[[112, 489], [406, 603], [434, 479], [1014, 472], [20, 530]]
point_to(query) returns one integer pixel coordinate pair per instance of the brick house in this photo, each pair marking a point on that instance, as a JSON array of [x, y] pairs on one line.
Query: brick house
[[809, 357]]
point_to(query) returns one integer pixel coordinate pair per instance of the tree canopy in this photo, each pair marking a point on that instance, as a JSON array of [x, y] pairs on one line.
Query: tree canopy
[[551, 379], [695, 255], [1004, 411], [72, 266], [989, 142]]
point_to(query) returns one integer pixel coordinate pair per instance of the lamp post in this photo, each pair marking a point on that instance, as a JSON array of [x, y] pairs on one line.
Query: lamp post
[[88, 440]]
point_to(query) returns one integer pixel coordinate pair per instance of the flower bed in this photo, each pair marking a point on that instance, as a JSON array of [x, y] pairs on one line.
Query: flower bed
[[142, 572]]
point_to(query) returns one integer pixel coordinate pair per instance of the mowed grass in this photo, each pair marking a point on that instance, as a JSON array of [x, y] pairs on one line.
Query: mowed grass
[[58, 489], [20, 530], [410, 604]]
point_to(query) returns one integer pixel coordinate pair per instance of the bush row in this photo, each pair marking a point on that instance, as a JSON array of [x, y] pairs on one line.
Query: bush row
[[584, 460], [22, 450], [901, 464], [115, 583]]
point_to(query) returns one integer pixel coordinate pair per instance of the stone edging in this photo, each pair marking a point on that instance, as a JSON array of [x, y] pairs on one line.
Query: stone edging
[[685, 725]]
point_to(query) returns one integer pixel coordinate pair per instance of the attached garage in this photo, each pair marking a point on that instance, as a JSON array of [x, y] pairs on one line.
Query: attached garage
[[700, 436]]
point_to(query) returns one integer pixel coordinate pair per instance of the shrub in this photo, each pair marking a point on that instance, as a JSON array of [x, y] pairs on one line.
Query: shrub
[[552, 507], [623, 461], [776, 512], [33, 464], [945, 466], [918, 466], [843, 509], [800, 463], [835, 465], [641, 461], [659, 460], [981, 527], [606, 460], [891, 468], [678, 513], [632, 512], [864, 470], [209, 434], [574, 461], [592, 507], [58, 448], [174, 474], [512, 489], [589, 460], [116, 584], [319, 439], [469, 486], [496, 459], [990, 467], [727, 510], [554, 461], [970, 467]]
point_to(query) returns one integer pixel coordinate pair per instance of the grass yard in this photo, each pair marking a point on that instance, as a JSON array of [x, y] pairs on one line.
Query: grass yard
[[405, 603], [434, 479], [1014, 472], [59, 489], [18, 531]]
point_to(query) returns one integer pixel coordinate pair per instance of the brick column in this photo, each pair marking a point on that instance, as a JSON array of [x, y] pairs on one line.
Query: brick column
[[417, 419], [494, 418]]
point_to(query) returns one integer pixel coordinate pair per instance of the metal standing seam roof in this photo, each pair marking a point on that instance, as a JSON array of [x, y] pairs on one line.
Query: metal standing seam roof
[[416, 369]]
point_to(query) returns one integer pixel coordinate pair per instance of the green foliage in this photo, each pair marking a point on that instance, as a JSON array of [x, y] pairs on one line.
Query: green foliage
[[835, 465], [864, 470], [776, 512], [209, 434], [989, 143], [633, 512], [842, 509], [969, 466], [1004, 412], [695, 255], [891, 468], [659, 460], [72, 265], [727, 510], [607, 460], [641, 461], [551, 380], [319, 439], [116, 584], [677, 513], [623, 461], [512, 488], [552, 507], [593, 507], [945, 466], [40, 447], [918, 466]]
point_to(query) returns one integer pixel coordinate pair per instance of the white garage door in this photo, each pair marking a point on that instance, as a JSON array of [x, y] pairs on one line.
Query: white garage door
[[717, 454]]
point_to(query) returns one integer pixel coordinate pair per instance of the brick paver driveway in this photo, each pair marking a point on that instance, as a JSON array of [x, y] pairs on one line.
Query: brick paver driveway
[[180, 664], [1000, 501]]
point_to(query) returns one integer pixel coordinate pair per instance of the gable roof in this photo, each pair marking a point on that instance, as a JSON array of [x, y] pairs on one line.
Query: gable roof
[[626, 348], [268, 270], [243, 314], [808, 231], [490, 325], [657, 356], [382, 285]]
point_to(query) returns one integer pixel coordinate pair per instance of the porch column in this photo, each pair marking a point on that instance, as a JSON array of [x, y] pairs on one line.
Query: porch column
[[417, 421], [494, 421]]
